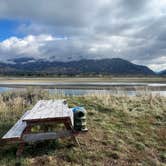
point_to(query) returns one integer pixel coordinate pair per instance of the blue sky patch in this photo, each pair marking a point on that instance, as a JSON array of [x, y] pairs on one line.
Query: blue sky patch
[[9, 28]]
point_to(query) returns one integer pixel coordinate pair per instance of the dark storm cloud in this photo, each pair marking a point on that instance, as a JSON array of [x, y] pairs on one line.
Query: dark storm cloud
[[54, 12], [77, 29]]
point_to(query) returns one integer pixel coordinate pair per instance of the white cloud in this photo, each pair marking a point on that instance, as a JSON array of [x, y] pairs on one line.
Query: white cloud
[[158, 64], [27, 46]]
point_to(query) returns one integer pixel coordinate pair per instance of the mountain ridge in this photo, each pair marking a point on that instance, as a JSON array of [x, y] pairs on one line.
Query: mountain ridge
[[162, 73], [114, 66]]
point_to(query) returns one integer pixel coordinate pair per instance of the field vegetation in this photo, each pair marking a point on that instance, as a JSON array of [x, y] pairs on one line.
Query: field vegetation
[[122, 131]]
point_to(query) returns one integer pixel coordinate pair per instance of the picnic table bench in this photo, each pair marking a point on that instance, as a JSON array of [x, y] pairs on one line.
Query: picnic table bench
[[45, 111]]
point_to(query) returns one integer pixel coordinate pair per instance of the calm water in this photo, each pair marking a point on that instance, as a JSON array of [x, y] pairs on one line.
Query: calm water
[[116, 90]]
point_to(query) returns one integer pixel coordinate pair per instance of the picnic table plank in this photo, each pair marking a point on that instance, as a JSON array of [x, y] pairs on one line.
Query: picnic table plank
[[42, 108], [16, 131], [46, 136], [49, 109], [39, 109]]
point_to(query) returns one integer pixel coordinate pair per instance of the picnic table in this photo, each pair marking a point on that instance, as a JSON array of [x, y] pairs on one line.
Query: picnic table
[[44, 112]]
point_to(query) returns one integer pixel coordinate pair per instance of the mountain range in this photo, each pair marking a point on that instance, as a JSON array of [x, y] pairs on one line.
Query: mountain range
[[162, 73], [30, 66]]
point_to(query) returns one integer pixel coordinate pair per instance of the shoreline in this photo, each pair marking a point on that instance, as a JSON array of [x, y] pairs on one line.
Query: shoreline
[[94, 83], [93, 86], [85, 79]]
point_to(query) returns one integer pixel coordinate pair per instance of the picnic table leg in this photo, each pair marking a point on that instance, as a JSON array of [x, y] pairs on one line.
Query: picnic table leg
[[22, 144], [76, 140], [68, 127], [20, 149]]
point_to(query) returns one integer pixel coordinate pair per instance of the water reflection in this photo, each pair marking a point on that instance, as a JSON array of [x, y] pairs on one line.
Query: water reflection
[[115, 91]]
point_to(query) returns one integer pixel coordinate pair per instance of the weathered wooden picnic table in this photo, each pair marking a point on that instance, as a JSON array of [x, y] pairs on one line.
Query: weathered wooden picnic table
[[44, 112]]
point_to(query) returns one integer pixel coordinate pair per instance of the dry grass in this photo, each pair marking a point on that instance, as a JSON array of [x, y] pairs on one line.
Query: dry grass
[[122, 131]]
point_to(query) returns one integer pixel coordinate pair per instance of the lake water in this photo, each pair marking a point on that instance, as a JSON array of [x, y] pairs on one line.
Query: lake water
[[115, 92], [131, 89]]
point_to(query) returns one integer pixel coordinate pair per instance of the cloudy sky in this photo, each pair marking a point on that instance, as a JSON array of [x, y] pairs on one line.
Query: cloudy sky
[[66, 30]]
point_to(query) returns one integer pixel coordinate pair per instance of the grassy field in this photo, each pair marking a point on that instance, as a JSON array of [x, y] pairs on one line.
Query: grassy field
[[123, 131]]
